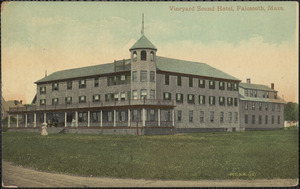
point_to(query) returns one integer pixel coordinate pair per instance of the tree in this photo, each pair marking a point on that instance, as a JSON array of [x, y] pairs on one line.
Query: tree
[[291, 111]]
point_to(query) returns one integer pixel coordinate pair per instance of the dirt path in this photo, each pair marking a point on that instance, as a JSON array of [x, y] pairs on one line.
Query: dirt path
[[13, 175]]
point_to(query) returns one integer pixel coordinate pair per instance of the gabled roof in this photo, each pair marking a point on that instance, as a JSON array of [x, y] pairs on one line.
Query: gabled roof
[[256, 87], [162, 63], [192, 68], [143, 43]]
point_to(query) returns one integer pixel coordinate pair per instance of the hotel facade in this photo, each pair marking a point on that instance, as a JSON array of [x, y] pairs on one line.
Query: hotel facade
[[156, 95]]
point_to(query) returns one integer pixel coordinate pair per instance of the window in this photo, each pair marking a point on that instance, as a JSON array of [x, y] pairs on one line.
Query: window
[[179, 115], [246, 92], [190, 82], [167, 79], [266, 119], [191, 99], [275, 95], [152, 76], [152, 115], [211, 117], [122, 116], [43, 102], [82, 84], [229, 101], [179, 97], [212, 100], [221, 85], [229, 86], [253, 119], [151, 56], [116, 96], [82, 99], [134, 76], [236, 118], [266, 95], [266, 107], [278, 119], [143, 93], [251, 93], [246, 105], [255, 93], [107, 97], [272, 119], [96, 98], [110, 81], [201, 116], [230, 117], [235, 86], [168, 115], [54, 86], [134, 94], [221, 117], [253, 105], [42, 90], [259, 119], [191, 116], [54, 101], [82, 116], [109, 116], [69, 85], [143, 77], [134, 115], [178, 80], [123, 96], [143, 55], [201, 99], [260, 106], [201, 83], [68, 100], [212, 84], [123, 79], [167, 96], [96, 82], [95, 116], [246, 119], [273, 107], [278, 107], [222, 101], [152, 94], [235, 101], [134, 56]]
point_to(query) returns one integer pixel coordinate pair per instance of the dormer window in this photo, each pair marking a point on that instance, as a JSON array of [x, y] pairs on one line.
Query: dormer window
[[143, 55]]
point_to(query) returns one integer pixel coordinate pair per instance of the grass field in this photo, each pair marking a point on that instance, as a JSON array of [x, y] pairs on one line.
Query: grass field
[[237, 155]]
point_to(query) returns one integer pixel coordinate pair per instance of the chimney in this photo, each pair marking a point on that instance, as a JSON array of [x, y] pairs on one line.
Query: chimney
[[272, 85], [248, 80], [115, 65], [21, 101]]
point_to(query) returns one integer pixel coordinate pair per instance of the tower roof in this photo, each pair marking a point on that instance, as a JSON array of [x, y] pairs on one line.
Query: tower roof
[[143, 43]]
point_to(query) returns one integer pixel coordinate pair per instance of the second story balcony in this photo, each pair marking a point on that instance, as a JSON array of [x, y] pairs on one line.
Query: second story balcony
[[98, 105]]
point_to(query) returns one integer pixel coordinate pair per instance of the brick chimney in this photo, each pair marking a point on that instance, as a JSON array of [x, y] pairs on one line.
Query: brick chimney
[[272, 85], [248, 80], [21, 101]]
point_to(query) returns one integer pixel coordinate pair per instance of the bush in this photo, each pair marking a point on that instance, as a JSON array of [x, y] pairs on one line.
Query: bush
[[4, 128]]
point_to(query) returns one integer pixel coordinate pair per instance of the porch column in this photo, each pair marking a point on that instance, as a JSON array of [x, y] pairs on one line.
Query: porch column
[[173, 118], [76, 119], [129, 116], [114, 118], [65, 119], [34, 120], [17, 120], [26, 120], [100, 118], [89, 117], [8, 121], [158, 117], [45, 118], [143, 117]]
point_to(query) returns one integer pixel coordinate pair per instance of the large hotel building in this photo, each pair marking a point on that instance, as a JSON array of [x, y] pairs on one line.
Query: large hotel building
[[156, 95]]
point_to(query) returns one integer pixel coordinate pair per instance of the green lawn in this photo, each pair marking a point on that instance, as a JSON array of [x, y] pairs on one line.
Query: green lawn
[[237, 155]]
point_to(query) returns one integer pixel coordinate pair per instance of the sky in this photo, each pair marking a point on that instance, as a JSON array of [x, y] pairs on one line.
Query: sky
[[255, 42]]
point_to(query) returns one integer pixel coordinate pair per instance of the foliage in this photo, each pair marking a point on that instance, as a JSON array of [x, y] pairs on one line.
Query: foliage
[[291, 111], [237, 155], [12, 120]]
